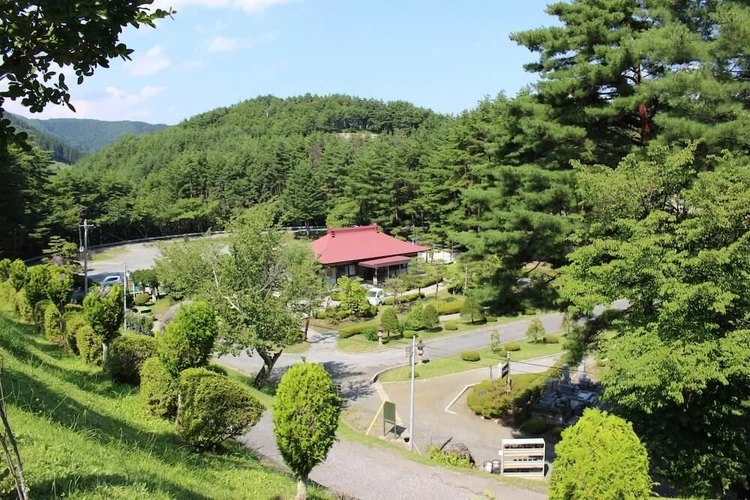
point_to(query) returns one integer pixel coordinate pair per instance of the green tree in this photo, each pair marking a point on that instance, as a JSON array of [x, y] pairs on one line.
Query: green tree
[[354, 295], [430, 317], [496, 344], [600, 457], [304, 197], [673, 242], [189, 339], [389, 321], [535, 332], [53, 325], [37, 283], [103, 310], [60, 285], [306, 412], [472, 310], [17, 274], [4, 270]]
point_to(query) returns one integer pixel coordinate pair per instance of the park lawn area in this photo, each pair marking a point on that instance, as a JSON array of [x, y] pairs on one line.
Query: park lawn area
[[82, 436], [454, 364], [358, 343], [161, 305]]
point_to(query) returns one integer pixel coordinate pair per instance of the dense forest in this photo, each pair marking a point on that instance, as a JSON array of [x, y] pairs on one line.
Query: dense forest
[[59, 150], [623, 172]]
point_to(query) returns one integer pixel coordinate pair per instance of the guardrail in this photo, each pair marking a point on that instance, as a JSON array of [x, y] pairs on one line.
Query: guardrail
[[95, 248]]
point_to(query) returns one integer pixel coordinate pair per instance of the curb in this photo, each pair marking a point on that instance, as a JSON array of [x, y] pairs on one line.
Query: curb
[[453, 401]]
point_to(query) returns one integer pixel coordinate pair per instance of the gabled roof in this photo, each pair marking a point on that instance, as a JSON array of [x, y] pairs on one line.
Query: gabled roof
[[355, 244]]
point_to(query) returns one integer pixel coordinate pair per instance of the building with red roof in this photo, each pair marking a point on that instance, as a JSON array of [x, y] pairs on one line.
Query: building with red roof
[[363, 252]]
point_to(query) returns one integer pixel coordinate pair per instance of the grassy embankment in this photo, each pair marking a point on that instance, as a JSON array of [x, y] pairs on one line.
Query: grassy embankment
[[83, 436]]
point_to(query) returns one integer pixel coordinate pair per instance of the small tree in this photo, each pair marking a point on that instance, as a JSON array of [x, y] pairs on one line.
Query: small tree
[[496, 344], [59, 285], [472, 309], [430, 318], [389, 321], [535, 332], [306, 415], [17, 274], [354, 295], [53, 327], [4, 269], [600, 457], [189, 339], [103, 310], [37, 280]]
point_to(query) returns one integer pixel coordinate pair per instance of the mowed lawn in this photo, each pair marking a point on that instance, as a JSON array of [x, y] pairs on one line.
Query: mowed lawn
[[82, 436], [454, 364]]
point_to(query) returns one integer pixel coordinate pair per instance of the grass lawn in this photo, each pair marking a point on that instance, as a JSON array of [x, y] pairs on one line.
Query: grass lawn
[[454, 364], [161, 305], [359, 344], [82, 436]]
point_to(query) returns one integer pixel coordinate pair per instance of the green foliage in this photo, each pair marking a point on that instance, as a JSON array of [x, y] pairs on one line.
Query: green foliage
[[409, 334], [470, 356], [370, 334], [126, 356], [496, 344], [103, 310], [512, 347], [450, 307], [451, 325], [306, 413], [140, 323], [535, 332], [189, 339], [159, 389], [53, 326], [23, 306], [4, 270], [39, 309], [213, 409], [356, 329], [389, 321], [534, 426], [146, 277], [430, 318], [551, 339], [17, 274], [88, 135], [414, 319], [59, 285], [36, 283], [490, 399], [447, 458], [354, 295], [72, 322], [60, 151], [8, 294], [304, 199], [89, 344], [404, 299], [471, 310], [141, 299], [600, 457]]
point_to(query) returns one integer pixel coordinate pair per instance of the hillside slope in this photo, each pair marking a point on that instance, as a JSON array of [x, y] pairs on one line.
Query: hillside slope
[[60, 150], [91, 135], [82, 436]]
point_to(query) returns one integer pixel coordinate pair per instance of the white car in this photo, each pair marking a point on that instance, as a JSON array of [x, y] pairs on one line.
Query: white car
[[111, 280], [376, 296]]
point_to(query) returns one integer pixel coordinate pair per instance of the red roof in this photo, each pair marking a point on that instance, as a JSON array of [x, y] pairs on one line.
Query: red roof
[[385, 261], [355, 244]]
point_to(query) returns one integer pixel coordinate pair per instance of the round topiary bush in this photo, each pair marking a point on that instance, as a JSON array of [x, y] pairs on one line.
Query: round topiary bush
[[159, 389], [141, 299], [470, 356], [23, 307], [126, 356], [451, 325], [371, 333], [53, 327], [534, 426], [551, 339], [213, 408], [89, 344], [512, 347]]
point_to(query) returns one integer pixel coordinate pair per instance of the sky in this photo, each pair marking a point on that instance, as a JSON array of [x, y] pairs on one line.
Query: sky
[[443, 55]]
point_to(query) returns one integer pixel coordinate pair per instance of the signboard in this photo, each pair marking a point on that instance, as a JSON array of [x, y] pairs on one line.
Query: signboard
[[389, 417], [504, 369]]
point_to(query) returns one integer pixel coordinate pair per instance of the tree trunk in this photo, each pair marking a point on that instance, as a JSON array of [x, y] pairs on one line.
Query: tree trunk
[[307, 326], [13, 458], [268, 363], [105, 354], [307, 228], [302, 487]]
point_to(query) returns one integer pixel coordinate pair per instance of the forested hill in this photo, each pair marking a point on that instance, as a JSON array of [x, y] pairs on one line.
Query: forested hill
[[60, 150], [91, 135]]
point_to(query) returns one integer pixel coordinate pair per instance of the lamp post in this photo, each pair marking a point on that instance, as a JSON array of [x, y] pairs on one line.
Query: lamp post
[[380, 335]]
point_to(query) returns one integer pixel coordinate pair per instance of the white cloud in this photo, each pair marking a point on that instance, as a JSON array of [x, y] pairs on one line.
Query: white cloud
[[191, 64], [114, 104], [149, 63], [251, 6], [223, 44]]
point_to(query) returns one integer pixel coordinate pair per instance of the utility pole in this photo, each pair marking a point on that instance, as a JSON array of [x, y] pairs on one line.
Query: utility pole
[[507, 381], [125, 300], [411, 409], [85, 250]]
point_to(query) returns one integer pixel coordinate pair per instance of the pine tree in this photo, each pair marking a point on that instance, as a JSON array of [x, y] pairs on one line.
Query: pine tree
[[304, 197]]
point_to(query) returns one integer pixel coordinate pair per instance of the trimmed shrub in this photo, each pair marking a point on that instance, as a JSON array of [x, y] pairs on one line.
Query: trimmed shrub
[[53, 327], [471, 356], [39, 309], [217, 369], [23, 307], [72, 308], [457, 455], [141, 299], [189, 339], [405, 298], [512, 347], [451, 325], [356, 329], [8, 295], [534, 426], [535, 332], [415, 318], [4, 270], [159, 389], [140, 323], [37, 280], [17, 274], [213, 409], [371, 334], [89, 344], [551, 339], [389, 321], [126, 356], [409, 334], [322, 314], [430, 317], [490, 400], [452, 307], [72, 322]]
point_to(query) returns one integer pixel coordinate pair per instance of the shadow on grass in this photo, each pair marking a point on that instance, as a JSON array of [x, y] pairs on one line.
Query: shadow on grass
[[149, 485]]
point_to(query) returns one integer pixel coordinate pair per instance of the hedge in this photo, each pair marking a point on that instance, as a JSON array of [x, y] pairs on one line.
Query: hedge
[[407, 297], [72, 322], [409, 334], [23, 308], [89, 344], [357, 328], [534, 426], [470, 356], [141, 299], [490, 400], [53, 325], [451, 325], [551, 339], [39, 310], [159, 389], [126, 356], [512, 347], [450, 307]]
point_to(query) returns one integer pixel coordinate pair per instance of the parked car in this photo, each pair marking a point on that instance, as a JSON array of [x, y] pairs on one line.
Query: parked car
[[113, 279], [376, 296]]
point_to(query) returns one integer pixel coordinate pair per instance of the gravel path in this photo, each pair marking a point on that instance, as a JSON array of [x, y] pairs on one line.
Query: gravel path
[[372, 474]]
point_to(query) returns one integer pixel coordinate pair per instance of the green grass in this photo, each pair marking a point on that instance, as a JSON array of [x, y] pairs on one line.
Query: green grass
[[454, 364], [359, 344], [82, 436], [160, 306]]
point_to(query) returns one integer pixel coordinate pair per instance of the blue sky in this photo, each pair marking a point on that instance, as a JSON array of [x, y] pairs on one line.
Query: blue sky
[[438, 54]]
